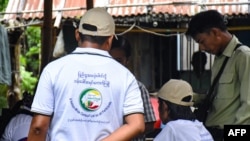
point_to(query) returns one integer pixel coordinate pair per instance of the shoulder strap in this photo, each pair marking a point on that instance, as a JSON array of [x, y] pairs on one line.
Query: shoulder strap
[[237, 46], [211, 95]]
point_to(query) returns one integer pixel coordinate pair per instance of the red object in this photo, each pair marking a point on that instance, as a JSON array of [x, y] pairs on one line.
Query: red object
[[154, 102], [157, 124]]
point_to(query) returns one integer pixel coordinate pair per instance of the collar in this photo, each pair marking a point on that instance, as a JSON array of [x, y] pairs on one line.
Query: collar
[[229, 50], [90, 50]]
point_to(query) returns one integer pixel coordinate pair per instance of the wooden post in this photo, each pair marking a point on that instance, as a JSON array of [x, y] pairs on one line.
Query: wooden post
[[47, 33], [90, 4]]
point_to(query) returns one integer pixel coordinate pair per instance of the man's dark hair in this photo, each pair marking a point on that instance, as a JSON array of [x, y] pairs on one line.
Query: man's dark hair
[[122, 43], [94, 39], [176, 112], [204, 21]]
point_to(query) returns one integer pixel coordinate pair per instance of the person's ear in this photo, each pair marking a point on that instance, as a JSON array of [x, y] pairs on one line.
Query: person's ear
[[165, 106], [215, 31], [128, 61], [108, 43]]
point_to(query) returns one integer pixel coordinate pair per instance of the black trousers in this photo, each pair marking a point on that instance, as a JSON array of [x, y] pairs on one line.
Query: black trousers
[[217, 133]]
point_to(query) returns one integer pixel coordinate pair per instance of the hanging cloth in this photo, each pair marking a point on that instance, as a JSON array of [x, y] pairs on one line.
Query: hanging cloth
[[5, 63], [59, 49]]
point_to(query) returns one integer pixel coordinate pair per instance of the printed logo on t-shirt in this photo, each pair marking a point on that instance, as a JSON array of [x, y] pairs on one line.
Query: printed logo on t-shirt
[[90, 99]]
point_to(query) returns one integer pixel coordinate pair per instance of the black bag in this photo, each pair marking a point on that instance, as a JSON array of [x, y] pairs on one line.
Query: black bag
[[201, 111]]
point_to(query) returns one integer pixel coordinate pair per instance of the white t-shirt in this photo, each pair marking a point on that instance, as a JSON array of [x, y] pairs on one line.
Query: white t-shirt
[[184, 130], [88, 94], [18, 128]]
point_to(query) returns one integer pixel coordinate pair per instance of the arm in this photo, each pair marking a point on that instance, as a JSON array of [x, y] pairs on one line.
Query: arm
[[243, 68], [134, 125], [149, 115], [39, 127]]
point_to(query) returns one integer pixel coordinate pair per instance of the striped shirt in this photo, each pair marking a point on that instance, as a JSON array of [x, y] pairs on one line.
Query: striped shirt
[[149, 115]]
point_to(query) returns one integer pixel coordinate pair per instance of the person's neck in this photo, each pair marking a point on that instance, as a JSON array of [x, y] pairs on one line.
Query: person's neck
[[90, 44], [226, 38]]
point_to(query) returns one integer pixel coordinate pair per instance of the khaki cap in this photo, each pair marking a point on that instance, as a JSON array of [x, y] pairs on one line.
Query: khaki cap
[[97, 22], [175, 90]]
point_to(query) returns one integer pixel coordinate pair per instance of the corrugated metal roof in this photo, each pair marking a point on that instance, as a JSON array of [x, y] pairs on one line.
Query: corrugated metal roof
[[182, 7], [30, 9]]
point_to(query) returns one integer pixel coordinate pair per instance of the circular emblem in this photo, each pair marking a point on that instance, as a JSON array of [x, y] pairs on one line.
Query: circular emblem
[[90, 99]]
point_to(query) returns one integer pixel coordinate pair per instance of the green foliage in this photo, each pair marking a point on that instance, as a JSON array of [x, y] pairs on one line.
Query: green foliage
[[3, 102], [29, 60], [34, 36], [3, 99], [3, 4], [28, 81]]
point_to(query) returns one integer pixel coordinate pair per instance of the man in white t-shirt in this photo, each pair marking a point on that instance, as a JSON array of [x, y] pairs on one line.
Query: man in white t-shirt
[[175, 98], [86, 94]]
